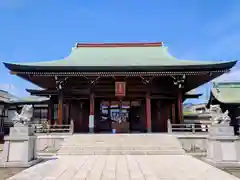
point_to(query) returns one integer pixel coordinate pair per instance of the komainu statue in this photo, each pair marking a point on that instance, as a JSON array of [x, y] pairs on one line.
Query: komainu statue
[[217, 116], [24, 117]]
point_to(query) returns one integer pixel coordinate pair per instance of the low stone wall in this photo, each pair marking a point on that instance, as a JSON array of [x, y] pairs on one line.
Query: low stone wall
[[192, 143], [49, 143]]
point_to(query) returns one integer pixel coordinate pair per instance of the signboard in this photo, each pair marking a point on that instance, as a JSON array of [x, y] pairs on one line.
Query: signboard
[[120, 89]]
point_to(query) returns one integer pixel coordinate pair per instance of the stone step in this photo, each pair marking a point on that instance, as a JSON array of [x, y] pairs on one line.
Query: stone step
[[120, 152], [118, 147], [117, 144]]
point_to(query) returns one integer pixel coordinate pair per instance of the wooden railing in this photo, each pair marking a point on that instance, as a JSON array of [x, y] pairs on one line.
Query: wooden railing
[[193, 128], [64, 128]]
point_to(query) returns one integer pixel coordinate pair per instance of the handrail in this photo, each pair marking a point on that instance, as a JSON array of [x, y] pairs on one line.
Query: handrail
[[46, 128], [194, 127], [190, 128]]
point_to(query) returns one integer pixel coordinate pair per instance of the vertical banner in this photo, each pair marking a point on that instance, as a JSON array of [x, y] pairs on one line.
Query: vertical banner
[[120, 89], [91, 115], [91, 121]]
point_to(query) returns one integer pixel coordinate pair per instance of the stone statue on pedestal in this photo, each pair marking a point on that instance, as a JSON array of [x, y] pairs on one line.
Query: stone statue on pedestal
[[217, 116], [19, 147], [223, 146], [24, 117]]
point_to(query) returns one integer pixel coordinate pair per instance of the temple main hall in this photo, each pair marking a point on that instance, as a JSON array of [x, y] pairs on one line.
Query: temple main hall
[[125, 87]]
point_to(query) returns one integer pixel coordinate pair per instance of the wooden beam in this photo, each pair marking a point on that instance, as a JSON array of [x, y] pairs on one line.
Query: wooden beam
[[162, 96], [129, 89], [13, 72]]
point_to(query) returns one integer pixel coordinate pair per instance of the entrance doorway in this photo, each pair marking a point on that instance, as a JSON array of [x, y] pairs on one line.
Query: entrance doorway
[[123, 116], [79, 113]]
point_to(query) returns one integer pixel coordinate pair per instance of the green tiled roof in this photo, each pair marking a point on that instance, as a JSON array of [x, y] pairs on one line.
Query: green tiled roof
[[29, 99], [154, 56], [228, 92], [192, 92], [119, 56]]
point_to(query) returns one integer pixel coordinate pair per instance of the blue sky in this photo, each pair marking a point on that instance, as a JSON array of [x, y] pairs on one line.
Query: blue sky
[[47, 29]]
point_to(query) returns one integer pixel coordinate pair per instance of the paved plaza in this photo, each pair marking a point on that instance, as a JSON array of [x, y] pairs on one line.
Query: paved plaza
[[123, 167]]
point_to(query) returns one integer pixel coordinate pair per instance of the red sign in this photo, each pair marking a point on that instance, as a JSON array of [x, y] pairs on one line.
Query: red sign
[[120, 89]]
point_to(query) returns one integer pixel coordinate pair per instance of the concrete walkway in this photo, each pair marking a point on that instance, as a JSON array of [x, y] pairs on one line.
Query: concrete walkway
[[123, 167]]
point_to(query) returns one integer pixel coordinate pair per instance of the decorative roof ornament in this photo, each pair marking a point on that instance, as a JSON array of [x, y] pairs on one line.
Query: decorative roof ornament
[[74, 47], [60, 82], [179, 81]]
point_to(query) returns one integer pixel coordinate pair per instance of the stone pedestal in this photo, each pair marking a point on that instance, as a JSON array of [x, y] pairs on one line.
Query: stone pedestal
[[216, 130], [19, 148], [223, 147]]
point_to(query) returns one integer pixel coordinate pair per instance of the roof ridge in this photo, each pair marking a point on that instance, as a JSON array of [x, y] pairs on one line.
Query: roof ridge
[[226, 85], [223, 83], [132, 44]]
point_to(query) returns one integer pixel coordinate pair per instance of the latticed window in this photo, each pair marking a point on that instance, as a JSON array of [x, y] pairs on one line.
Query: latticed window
[[40, 115]]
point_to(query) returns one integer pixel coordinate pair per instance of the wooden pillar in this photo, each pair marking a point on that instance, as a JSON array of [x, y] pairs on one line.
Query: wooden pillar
[[180, 108], [60, 108], [91, 115], [159, 117], [173, 110], [50, 112], [148, 112], [66, 114]]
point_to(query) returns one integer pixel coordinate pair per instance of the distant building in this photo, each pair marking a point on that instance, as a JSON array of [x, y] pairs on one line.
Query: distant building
[[225, 94]]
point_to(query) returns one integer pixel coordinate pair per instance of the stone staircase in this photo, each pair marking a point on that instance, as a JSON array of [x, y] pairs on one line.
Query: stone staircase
[[119, 144]]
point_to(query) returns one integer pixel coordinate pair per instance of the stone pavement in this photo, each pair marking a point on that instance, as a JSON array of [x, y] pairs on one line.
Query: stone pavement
[[123, 167]]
